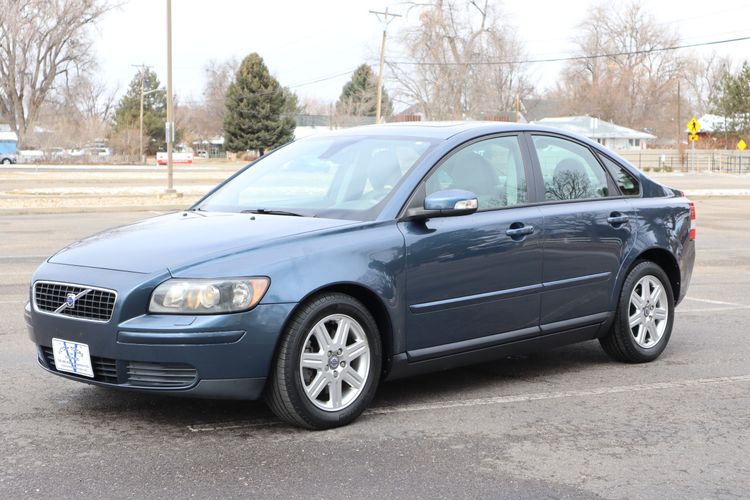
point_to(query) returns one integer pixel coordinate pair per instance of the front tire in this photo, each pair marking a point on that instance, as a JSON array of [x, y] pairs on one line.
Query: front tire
[[644, 318], [328, 363]]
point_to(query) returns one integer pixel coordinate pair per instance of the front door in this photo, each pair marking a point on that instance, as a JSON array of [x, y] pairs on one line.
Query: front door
[[475, 280]]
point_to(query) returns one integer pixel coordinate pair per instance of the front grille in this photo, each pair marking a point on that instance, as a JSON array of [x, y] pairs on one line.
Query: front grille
[[105, 370], [93, 304], [160, 374]]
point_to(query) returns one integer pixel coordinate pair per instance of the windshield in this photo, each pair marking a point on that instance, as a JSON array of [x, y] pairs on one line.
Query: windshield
[[347, 177]]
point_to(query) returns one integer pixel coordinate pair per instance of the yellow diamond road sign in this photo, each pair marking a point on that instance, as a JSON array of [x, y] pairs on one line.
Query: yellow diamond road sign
[[741, 145], [693, 126]]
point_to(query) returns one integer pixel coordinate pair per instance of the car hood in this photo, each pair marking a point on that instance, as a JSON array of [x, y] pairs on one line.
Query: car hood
[[180, 239]]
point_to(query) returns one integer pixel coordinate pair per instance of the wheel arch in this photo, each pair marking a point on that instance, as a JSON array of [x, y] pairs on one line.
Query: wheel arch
[[374, 305], [664, 259]]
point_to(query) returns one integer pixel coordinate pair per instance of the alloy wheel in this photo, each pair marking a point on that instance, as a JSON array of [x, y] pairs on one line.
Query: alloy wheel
[[648, 312], [335, 362]]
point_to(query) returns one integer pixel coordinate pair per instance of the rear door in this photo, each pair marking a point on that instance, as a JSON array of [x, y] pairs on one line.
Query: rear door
[[588, 229], [475, 280]]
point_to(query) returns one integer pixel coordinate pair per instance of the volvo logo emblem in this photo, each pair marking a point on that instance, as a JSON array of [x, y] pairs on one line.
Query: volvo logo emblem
[[333, 362], [70, 301]]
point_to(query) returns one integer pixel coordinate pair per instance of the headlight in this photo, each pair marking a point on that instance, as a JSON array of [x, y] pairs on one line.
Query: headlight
[[201, 296]]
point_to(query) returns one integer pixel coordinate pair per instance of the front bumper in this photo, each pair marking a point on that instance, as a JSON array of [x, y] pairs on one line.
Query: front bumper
[[237, 388], [222, 356]]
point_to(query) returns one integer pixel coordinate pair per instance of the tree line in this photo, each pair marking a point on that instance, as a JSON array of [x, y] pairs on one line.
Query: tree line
[[451, 59]]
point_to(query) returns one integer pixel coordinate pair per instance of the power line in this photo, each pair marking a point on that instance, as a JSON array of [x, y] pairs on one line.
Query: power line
[[574, 58], [187, 102], [322, 79]]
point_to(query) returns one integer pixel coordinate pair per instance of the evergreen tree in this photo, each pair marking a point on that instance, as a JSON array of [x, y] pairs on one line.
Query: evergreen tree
[[733, 99], [260, 112], [360, 95], [128, 110]]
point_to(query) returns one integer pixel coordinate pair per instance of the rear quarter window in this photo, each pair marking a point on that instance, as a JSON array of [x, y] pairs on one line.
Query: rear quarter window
[[628, 184]]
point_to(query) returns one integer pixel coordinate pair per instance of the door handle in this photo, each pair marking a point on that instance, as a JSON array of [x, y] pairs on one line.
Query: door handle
[[519, 231], [616, 218]]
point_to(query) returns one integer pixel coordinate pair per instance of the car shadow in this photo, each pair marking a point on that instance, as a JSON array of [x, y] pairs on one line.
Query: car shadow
[[508, 375]]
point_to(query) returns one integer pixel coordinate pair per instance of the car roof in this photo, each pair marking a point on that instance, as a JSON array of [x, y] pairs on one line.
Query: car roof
[[442, 130]]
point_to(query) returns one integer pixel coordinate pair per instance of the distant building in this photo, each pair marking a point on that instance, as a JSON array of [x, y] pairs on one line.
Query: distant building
[[712, 124], [414, 114], [212, 148], [719, 132], [605, 133]]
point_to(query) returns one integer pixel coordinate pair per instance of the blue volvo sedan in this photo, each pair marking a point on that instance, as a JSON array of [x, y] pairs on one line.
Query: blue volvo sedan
[[369, 254]]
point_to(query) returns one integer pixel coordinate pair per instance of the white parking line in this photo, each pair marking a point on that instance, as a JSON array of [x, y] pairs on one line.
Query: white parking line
[[558, 395], [717, 302], [712, 309], [519, 398]]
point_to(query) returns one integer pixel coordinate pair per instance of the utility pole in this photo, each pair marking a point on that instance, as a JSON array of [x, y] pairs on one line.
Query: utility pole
[[680, 152], [142, 68], [385, 21], [170, 104], [140, 121]]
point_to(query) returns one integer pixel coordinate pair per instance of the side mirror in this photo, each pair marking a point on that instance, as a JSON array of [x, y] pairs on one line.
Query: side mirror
[[446, 203]]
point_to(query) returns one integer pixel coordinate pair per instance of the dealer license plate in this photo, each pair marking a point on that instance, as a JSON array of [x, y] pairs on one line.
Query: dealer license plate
[[72, 357]]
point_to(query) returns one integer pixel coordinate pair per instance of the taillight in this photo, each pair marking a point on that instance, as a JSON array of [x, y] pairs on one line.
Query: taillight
[[692, 221]]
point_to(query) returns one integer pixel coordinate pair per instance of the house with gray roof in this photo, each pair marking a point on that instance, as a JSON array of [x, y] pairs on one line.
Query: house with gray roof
[[605, 133]]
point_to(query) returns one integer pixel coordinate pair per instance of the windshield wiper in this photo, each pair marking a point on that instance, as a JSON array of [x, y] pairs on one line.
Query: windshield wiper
[[266, 211]]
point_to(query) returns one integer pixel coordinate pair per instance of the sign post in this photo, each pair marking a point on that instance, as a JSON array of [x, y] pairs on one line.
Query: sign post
[[693, 127], [741, 145]]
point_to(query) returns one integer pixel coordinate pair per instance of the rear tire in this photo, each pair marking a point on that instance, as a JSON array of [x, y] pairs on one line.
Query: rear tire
[[6, 161], [328, 363], [644, 317]]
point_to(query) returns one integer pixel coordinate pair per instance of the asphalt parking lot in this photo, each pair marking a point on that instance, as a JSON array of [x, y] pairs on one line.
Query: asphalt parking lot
[[563, 423]]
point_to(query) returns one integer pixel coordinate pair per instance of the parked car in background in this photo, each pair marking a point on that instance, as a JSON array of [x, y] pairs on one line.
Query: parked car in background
[[8, 147], [97, 151], [8, 158], [54, 154], [418, 247], [178, 158]]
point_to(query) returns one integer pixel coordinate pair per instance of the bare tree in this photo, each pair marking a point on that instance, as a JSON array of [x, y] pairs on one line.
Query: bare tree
[[78, 112], [203, 119], [40, 40], [315, 106], [219, 75], [624, 75], [702, 77], [464, 61]]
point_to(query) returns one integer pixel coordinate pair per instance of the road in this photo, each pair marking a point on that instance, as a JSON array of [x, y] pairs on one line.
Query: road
[[563, 423]]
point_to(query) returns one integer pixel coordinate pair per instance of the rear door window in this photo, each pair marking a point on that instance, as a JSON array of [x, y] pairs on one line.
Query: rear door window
[[570, 171]]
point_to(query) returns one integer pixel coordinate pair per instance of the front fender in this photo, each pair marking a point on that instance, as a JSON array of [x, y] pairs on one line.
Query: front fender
[[370, 255]]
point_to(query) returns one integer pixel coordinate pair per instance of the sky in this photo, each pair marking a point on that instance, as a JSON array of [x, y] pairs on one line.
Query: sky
[[312, 46]]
